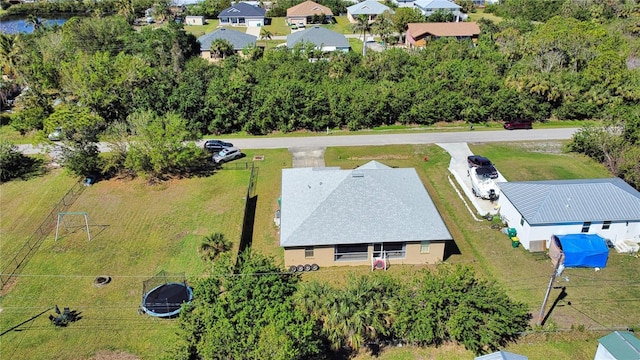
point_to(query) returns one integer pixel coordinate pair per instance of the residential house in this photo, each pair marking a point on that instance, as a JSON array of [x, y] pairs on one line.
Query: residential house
[[418, 34], [403, 3], [194, 20], [540, 209], [323, 39], [242, 14], [619, 345], [308, 11], [369, 8], [335, 217], [429, 7], [238, 39]]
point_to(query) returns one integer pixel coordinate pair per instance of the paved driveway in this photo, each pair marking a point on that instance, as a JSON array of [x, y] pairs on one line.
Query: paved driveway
[[253, 30], [459, 169], [307, 157]]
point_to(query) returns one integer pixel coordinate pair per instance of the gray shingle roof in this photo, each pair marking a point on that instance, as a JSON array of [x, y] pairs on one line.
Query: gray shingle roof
[[566, 201], [318, 36], [370, 204], [369, 7], [501, 355], [242, 9], [238, 39]]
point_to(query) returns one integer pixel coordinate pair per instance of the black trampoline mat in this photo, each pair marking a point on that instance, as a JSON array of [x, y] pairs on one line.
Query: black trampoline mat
[[166, 298]]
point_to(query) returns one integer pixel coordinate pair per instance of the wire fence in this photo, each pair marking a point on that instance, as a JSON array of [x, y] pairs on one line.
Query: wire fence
[[26, 252]]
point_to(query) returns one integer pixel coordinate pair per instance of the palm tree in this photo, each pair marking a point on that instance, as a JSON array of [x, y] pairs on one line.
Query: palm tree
[[214, 245], [265, 35], [362, 24], [221, 48], [126, 9], [33, 21], [9, 55]]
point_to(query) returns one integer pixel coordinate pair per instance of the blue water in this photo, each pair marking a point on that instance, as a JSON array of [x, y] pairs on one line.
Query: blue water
[[15, 26]]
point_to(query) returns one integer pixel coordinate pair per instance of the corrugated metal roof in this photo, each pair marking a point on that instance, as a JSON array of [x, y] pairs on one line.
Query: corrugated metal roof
[[369, 7], [501, 355], [318, 36], [238, 39], [566, 201], [327, 206], [622, 345]]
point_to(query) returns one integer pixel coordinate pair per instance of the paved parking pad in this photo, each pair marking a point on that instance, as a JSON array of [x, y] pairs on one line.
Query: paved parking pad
[[460, 171], [307, 157]]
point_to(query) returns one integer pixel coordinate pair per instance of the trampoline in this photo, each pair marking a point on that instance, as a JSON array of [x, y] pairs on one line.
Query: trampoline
[[165, 299]]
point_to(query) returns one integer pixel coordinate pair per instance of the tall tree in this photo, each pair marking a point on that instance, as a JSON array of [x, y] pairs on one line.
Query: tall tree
[[363, 25]]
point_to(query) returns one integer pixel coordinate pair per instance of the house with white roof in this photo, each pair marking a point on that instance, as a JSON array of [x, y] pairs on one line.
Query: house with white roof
[[335, 217], [370, 8], [501, 355], [538, 210], [429, 7]]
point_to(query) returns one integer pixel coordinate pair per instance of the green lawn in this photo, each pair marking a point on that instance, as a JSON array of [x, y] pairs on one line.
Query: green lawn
[[143, 229], [152, 228], [480, 14], [199, 30]]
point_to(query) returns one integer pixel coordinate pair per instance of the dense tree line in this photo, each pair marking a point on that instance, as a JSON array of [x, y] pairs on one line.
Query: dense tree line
[[254, 310]]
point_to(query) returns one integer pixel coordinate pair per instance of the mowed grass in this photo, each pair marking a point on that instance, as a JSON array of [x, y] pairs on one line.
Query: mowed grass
[[154, 228], [138, 230]]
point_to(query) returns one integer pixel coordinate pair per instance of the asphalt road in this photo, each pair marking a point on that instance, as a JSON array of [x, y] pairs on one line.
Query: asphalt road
[[423, 137]]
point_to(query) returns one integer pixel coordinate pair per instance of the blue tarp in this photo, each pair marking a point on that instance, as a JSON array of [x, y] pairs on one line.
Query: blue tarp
[[583, 250]]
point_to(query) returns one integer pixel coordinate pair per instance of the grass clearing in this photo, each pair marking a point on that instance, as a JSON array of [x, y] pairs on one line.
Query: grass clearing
[[153, 228], [145, 229]]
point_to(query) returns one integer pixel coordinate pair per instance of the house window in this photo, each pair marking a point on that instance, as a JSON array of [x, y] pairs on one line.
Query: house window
[[308, 252], [351, 252], [606, 225], [522, 221], [425, 247], [392, 250], [586, 226]]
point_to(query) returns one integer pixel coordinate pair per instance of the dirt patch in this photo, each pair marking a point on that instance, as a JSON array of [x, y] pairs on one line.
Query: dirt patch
[[380, 157], [546, 147], [114, 355]]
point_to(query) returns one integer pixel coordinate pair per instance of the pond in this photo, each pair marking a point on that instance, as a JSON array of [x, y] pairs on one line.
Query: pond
[[15, 25]]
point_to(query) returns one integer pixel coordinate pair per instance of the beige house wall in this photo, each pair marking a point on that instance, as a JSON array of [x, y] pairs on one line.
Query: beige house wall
[[324, 256]]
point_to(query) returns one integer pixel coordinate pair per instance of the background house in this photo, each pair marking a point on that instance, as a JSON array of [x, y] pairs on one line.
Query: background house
[[429, 7], [618, 345], [238, 39], [304, 13], [369, 8], [418, 34], [340, 217], [501, 355], [323, 39], [540, 209], [242, 14]]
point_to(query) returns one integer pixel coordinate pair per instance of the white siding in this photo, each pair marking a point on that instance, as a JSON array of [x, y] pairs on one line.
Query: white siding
[[618, 230], [603, 354]]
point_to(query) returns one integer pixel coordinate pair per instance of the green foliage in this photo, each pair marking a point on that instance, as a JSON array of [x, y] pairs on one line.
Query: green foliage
[[247, 314], [159, 148], [213, 246], [13, 164]]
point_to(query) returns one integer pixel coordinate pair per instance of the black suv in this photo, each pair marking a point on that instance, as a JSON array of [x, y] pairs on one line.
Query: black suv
[[477, 160], [215, 146]]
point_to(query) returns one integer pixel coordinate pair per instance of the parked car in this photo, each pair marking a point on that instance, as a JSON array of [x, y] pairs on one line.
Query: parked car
[[518, 124], [56, 135], [301, 25], [227, 154], [487, 171], [215, 146], [477, 160]]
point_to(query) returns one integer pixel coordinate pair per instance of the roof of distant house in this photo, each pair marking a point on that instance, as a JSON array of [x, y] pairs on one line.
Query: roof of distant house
[[319, 36], [238, 39], [308, 8], [566, 201], [443, 29], [437, 4], [369, 7], [501, 355], [370, 204], [242, 9]]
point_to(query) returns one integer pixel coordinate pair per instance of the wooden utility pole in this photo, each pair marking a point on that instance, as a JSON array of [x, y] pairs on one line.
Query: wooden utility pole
[[546, 296]]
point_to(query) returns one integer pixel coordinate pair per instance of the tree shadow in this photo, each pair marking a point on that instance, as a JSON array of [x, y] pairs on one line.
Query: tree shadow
[[29, 167]]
